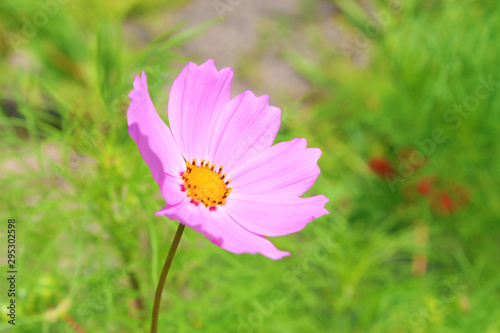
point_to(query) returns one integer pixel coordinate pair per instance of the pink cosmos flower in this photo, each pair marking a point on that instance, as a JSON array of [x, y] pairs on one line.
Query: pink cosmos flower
[[216, 167]]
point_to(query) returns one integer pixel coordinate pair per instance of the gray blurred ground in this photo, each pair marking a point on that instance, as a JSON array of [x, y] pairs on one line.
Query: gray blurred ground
[[244, 39]]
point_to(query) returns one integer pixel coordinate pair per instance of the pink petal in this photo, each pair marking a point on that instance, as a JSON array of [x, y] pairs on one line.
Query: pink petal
[[272, 215], [246, 127], [154, 139], [197, 97], [171, 189], [286, 169], [221, 229]]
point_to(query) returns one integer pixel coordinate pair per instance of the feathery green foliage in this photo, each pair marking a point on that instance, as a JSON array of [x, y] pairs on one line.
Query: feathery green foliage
[[387, 258]]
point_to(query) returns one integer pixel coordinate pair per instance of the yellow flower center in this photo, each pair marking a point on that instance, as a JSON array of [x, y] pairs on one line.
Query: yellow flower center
[[204, 184]]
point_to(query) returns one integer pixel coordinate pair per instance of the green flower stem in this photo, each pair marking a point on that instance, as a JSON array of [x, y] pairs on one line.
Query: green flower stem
[[163, 277]]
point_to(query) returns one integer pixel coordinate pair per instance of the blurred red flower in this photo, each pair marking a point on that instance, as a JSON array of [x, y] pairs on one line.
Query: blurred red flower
[[424, 185], [450, 200], [446, 203], [381, 166]]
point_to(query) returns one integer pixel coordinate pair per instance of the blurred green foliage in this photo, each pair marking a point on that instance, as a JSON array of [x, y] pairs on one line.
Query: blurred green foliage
[[389, 258]]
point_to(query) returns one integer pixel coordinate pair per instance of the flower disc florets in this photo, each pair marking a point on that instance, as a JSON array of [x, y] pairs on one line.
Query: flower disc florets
[[204, 184]]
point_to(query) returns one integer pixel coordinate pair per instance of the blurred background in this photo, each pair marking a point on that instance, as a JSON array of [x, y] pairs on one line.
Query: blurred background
[[402, 97]]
